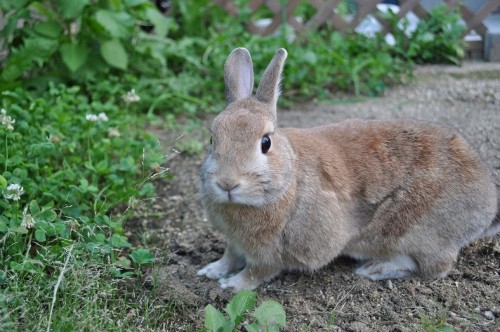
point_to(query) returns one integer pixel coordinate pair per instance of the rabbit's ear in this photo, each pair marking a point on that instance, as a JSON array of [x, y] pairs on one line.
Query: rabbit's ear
[[238, 75], [269, 86]]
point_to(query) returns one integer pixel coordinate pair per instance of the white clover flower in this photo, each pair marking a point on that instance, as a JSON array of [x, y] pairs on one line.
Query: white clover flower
[[6, 120], [14, 192], [28, 221], [113, 132], [91, 117], [131, 97], [103, 117]]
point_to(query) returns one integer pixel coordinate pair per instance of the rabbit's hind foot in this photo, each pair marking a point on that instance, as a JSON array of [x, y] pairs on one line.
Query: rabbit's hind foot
[[397, 267]]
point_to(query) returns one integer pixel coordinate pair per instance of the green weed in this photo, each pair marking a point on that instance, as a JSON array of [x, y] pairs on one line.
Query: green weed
[[435, 323], [269, 315], [437, 39], [70, 169], [75, 40], [85, 298]]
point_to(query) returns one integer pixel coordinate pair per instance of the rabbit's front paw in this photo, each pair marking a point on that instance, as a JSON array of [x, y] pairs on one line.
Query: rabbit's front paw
[[237, 282], [215, 270]]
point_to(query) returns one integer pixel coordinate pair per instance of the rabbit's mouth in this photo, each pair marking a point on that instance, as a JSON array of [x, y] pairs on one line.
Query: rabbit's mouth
[[237, 194], [231, 193]]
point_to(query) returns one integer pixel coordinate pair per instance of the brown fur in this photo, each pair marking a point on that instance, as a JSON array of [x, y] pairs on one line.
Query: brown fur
[[406, 195]]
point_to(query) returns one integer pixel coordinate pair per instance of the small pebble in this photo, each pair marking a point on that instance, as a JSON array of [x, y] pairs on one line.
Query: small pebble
[[489, 315], [389, 284]]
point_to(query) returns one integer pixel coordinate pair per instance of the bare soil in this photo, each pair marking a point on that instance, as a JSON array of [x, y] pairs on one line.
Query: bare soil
[[334, 298]]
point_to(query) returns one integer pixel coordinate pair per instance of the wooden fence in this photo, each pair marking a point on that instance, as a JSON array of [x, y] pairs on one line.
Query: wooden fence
[[325, 13]]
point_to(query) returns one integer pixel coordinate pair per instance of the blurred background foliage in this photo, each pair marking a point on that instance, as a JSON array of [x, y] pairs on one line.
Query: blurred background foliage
[[176, 61]]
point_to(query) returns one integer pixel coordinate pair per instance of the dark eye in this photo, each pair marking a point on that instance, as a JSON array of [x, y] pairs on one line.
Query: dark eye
[[265, 143]]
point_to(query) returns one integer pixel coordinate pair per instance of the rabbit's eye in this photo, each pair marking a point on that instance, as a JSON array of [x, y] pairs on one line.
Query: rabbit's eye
[[265, 143]]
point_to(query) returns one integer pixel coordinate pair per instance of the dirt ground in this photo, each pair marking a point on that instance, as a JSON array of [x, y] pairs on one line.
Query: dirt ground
[[334, 298]]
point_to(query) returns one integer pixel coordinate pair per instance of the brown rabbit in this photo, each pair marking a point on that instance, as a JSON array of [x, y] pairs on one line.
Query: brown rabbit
[[404, 196]]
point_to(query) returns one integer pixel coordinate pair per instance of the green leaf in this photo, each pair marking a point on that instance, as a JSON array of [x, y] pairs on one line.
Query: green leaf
[[3, 227], [134, 3], [159, 21], [240, 304], [10, 24], [46, 215], [30, 265], [19, 230], [49, 29], [147, 190], [35, 50], [71, 9], [102, 167], [142, 256], [40, 235], [117, 24], [3, 183], [119, 241], [270, 315], [114, 54], [117, 273], [254, 327], [123, 262], [34, 208], [127, 164], [73, 56], [215, 320], [5, 4]]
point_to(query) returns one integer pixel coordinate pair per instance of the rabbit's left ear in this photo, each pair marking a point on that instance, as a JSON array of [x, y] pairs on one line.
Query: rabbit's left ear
[[269, 86], [238, 75]]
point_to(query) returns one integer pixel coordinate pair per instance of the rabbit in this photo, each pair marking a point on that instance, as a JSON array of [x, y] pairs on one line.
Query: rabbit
[[401, 196]]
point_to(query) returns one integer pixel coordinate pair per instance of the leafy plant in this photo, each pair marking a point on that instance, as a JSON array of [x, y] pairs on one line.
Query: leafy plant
[[88, 296], [80, 39], [62, 175], [435, 323], [269, 315], [436, 39]]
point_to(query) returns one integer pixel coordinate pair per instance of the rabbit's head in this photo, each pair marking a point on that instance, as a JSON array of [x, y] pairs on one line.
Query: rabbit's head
[[248, 161]]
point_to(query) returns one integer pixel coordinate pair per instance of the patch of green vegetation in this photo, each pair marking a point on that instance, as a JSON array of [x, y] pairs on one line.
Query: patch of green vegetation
[[82, 296], [70, 169], [269, 316], [436, 39], [436, 322]]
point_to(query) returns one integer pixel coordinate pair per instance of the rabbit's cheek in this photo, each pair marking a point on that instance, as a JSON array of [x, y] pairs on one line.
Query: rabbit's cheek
[[209, 165]]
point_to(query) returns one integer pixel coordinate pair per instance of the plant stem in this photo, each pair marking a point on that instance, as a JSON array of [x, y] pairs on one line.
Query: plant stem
[[56, 288], [6, 153]]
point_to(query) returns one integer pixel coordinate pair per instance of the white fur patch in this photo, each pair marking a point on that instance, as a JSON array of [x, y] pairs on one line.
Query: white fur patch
[[397, 267], [237, 282], [215, 270]]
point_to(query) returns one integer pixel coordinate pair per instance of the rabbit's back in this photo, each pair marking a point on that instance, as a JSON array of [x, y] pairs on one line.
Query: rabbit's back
[[369, 159], [409, 186]]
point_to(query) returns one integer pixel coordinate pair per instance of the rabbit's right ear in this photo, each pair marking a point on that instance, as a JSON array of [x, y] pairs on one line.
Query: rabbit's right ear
[[238, 75]]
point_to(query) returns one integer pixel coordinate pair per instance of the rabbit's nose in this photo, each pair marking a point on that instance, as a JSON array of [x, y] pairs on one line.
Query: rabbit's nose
[[227, 185]]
